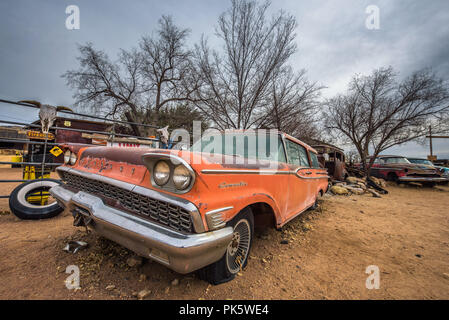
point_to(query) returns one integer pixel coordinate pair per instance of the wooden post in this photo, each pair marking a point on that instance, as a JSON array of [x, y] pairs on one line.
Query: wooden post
[[430, 137]]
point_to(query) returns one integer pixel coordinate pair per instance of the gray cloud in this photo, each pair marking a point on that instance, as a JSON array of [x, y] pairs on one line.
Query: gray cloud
[[333, 41]]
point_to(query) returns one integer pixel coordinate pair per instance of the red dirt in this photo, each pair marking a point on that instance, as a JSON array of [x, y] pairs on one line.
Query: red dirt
[[405, 233]]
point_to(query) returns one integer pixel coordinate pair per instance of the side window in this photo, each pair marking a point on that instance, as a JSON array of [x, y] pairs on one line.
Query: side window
[[314, 158], [281, 152], [293, 152], [303, 159], [297, 154]]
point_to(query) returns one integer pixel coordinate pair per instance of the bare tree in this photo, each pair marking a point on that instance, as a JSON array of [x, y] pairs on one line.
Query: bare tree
[[379, 112], [292, 106], [181, 116], [236, 81], [156, 75]]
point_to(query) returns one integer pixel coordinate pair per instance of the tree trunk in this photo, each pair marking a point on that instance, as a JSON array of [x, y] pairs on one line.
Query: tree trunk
[[136, 129]]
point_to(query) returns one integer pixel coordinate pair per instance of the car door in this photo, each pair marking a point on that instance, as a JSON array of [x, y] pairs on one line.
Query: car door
[[318, 177], [299, 189]]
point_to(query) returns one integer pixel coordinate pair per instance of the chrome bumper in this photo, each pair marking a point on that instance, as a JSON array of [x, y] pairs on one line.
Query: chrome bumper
[[180, 252], [423, 179]]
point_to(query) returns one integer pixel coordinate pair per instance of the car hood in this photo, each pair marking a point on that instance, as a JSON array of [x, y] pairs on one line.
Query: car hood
[[445, 169], [197, 160], [413, 166]]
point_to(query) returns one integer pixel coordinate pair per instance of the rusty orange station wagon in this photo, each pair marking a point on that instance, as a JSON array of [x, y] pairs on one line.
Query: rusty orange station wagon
[[192, 210]]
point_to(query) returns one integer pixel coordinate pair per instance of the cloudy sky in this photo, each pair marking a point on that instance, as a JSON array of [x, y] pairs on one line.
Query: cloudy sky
[[333, 42]]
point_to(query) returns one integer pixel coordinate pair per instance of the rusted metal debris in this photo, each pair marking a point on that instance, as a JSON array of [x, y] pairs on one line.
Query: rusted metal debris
[[75, 246]]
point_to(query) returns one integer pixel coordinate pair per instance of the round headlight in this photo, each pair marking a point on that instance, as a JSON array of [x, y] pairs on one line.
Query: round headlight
[[181, 177], [161, 173], [67, 155], [73, 158]]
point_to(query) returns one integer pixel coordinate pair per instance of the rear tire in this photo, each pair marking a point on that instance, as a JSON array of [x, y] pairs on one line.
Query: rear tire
[[237, 253], [27, 211], [392, 177]]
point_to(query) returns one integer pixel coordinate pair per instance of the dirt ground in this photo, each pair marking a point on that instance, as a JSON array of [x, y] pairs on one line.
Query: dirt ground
[[405, 234]]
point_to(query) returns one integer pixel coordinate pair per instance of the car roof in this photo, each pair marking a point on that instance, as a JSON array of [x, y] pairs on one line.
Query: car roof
[[271, 131], [388, 156], [305, 145]]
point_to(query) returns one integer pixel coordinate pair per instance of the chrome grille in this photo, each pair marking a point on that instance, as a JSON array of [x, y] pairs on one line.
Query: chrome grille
[[160, 211]]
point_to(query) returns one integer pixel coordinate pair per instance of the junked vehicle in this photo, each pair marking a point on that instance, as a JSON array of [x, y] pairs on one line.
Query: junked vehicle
[[193, 209], [333, 159], [399, 169], [422, 161]]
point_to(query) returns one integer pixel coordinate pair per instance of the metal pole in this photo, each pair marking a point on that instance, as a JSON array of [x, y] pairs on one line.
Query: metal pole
[[80, 114], [43, 158]]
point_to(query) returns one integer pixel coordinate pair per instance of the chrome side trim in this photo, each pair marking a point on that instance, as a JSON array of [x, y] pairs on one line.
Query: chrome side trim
[[187, 205], [220, 210], [232, 171], [425, 179], [386, 168], [309, 178], [263, 172]]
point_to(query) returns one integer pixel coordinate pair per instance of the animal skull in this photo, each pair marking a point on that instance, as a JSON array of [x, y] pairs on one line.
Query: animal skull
[[164, 134], [47, 114]]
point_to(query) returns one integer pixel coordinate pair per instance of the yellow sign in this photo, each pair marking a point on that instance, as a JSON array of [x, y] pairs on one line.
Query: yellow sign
[[56, 151], [39, 135], [432, 158], [67, 123]]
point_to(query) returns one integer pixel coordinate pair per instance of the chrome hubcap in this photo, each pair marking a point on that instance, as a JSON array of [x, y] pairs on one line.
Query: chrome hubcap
[[234, 245], [239, 246]]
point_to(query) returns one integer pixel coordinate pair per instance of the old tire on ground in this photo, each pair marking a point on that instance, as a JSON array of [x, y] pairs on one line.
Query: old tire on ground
[[27, 211], [236, 256]]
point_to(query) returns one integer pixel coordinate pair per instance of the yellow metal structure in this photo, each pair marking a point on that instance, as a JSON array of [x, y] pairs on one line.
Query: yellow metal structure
[[29, 173], [17, 158]]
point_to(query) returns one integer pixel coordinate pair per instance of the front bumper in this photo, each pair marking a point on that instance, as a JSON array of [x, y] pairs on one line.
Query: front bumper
[[180, 252], [422, 179]]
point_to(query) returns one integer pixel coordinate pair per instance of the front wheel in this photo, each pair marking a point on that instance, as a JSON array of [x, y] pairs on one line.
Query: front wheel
[[237, 253]]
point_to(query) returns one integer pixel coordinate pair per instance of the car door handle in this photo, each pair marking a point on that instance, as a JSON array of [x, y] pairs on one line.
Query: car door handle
[[309, 172]]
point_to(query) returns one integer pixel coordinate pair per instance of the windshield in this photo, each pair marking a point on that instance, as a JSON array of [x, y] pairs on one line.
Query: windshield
[[395, 160], [421, 161], [251, 146]]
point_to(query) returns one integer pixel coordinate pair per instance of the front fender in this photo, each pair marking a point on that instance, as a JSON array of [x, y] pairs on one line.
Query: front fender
[[238, 200]]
